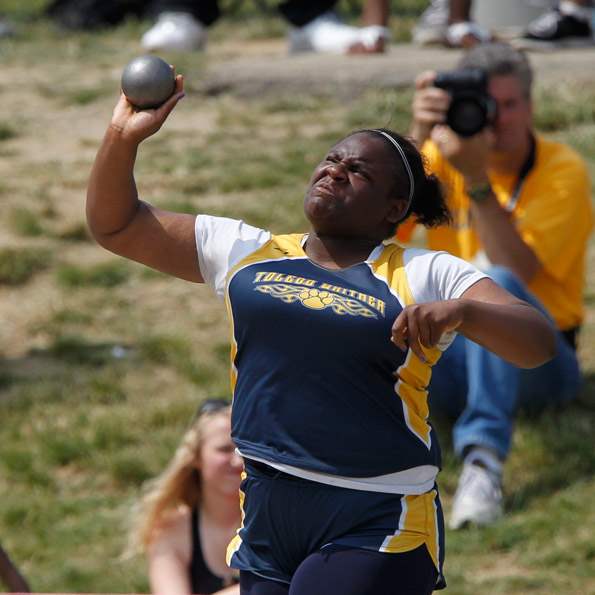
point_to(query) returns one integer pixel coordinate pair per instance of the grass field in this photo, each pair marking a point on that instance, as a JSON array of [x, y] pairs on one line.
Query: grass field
[[102, 362]]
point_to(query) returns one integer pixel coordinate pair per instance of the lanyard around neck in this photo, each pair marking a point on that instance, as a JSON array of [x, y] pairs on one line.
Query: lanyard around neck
[[523, 173]]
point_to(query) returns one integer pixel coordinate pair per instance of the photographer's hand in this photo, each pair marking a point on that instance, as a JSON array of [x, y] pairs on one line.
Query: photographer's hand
[[499, 237], [429, 107], [467, 155]]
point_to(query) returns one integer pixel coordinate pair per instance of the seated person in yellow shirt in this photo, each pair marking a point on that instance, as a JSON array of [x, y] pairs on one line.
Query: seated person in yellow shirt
[[521, 211]]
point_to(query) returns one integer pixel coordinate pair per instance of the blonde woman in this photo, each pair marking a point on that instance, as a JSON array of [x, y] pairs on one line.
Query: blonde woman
[[191, 511]]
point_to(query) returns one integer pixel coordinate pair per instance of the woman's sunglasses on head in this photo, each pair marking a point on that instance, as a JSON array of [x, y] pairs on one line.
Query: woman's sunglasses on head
[[212, 405]]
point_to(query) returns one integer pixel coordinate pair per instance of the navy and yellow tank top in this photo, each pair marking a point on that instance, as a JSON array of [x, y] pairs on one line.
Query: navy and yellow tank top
[[317, 382]]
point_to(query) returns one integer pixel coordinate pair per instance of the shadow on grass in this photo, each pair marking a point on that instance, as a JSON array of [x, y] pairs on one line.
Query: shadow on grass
[[70, 366], [586, 399], [560, 450], [73, 360], [66, 351]]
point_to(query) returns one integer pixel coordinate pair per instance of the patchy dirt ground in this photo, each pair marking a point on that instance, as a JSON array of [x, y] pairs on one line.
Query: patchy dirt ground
[[45, 166], [164, 343]]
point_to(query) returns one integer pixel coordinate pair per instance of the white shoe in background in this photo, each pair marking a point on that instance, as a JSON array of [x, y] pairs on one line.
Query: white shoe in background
[[478, 499], [466, 34], [175, 31], [432, 25], [328, 34]]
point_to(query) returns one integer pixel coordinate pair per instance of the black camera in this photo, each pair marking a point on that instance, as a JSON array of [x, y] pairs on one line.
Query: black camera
[[471, 107]]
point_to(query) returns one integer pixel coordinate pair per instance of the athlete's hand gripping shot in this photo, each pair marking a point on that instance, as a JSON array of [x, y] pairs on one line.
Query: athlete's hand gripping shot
[[334, 335]]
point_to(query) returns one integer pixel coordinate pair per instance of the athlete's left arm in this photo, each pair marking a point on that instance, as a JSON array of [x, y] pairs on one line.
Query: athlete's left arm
[[486, 314]]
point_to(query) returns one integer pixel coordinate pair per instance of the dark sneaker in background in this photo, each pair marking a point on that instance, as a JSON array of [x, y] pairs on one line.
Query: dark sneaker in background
[[555, 29]]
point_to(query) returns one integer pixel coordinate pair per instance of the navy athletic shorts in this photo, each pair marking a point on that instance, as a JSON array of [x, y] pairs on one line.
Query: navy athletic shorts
[[287, 518]]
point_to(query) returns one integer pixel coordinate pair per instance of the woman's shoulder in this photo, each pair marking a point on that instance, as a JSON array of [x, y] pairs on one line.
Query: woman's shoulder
[[173, 526]]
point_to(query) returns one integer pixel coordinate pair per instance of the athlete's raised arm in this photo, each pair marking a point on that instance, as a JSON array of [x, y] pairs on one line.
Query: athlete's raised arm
[[118, 220]]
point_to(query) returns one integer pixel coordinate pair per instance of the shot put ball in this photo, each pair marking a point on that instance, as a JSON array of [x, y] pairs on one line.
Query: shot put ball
[[148, 81]]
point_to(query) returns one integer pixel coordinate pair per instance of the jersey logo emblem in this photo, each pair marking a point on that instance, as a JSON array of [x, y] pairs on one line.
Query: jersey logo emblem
[[316, 299]]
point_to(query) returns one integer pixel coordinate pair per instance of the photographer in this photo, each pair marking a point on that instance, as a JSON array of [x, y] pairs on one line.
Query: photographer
[[521, 211]]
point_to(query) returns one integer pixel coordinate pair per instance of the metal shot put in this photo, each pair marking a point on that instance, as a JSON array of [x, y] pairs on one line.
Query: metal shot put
[[148, 81]]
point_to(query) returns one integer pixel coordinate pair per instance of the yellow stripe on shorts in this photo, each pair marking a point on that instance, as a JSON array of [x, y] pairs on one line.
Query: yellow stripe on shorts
[[418, 525]]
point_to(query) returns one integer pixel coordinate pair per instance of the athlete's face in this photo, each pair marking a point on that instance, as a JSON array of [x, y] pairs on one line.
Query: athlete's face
[[219, 465], [352, 192]]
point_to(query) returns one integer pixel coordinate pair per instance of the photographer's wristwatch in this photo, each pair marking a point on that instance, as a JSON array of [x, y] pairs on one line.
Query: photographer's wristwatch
[[480, 192]]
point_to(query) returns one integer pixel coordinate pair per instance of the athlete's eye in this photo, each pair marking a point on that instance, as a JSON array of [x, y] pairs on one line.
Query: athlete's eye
[[359, 171]]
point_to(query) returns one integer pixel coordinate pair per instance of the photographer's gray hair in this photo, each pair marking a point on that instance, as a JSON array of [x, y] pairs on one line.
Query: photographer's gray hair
[[501, 59]]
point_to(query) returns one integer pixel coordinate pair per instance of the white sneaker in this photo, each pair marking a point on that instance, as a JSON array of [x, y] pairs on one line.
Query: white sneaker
[[457, 32], [478, 499], [433, 24], [175, 31], [328, 34]]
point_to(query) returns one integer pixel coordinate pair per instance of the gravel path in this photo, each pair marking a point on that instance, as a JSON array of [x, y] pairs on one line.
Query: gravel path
[[273, 71]]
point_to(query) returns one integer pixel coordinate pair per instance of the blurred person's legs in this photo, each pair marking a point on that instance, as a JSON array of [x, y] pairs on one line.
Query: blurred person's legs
[[483, 393], [462, 31], [316, 28], [299, 13], [569, 24], [375, 33], [180, 24], [449, 22], [92, 14]]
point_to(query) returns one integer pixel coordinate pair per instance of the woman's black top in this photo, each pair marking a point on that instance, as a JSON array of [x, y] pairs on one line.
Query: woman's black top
[[202, 579]]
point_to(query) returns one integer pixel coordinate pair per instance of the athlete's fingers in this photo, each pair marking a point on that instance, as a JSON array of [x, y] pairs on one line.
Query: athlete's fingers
[[435, 330], [413, 335], [425, 333], [399, 338], [435, 334], [164, 110], [399, 331]]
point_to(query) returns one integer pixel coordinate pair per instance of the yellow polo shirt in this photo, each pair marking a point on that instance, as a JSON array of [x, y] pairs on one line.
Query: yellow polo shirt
[[553, 216]]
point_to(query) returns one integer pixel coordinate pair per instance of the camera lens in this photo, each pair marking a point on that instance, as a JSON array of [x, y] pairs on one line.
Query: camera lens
[[471, 107], [467, 116]]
